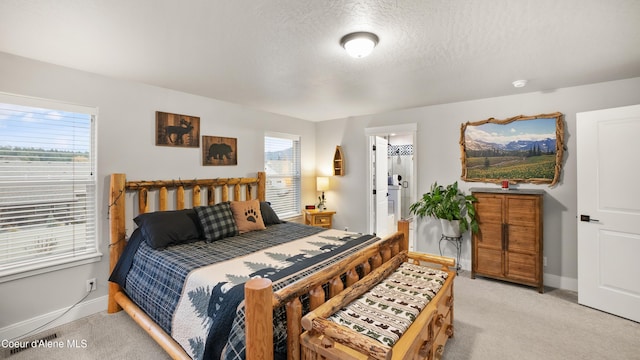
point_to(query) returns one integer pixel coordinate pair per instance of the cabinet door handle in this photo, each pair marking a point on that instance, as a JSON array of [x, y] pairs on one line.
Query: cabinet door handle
[[506, 237]]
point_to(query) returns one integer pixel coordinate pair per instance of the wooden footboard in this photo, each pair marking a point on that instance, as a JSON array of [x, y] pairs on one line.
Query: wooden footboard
[[259, 328], [260, 299], [424, 338]]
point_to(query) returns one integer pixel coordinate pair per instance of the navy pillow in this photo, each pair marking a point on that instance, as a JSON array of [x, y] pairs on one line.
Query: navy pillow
[[217, 221], [268, 215], [165, 228]]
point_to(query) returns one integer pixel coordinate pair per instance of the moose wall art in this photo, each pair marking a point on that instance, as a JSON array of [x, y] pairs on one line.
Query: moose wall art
[[218, 150], [177, 130]]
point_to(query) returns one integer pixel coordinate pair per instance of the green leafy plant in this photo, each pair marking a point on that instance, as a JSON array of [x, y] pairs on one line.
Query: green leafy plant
[[449, 203]]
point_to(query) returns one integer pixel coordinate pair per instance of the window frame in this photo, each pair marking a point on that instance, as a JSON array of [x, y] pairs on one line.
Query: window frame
[[295, 210], [92, 254]]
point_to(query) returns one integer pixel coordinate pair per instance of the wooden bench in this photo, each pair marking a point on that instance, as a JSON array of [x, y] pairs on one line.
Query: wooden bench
[[425, 337]]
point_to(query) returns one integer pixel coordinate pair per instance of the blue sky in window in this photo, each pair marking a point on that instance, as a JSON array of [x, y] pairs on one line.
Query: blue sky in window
[[24, 126]]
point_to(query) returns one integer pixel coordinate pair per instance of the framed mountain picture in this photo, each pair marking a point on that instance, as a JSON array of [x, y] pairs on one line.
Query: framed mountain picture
[[521, 149]]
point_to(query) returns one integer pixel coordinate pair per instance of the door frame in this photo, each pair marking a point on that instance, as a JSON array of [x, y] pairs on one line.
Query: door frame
[[598, 288], [380, 202], [371, 133]]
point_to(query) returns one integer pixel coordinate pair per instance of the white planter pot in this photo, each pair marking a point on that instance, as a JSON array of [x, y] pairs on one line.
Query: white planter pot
[[450, 228]]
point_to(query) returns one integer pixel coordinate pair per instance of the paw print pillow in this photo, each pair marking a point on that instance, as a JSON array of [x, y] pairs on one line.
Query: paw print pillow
[[247, 215]]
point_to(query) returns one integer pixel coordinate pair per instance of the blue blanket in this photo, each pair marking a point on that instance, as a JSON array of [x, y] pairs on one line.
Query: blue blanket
[[155, 280]]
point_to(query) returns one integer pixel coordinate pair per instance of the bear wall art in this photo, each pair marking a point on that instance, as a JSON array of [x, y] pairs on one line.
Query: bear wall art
[[218, 150]]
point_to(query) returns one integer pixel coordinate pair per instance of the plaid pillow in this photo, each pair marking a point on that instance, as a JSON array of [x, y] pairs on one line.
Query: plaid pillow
[[217, 221]]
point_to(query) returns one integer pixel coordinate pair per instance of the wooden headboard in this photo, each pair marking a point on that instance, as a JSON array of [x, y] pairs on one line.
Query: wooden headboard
[[165, 193]]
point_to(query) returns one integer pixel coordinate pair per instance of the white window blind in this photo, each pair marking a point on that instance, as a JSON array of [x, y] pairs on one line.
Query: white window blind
[[282, 166], [47, 184]]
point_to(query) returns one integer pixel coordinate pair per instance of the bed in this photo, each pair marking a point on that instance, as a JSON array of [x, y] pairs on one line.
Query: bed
[[195, 299]]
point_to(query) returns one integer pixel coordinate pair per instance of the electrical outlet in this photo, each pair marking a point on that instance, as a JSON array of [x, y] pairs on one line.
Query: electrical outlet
[[346, 228], [92, 285], [544, 261]]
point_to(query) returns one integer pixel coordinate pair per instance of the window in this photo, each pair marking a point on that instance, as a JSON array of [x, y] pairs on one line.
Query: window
[[47, 185], [282, 166]]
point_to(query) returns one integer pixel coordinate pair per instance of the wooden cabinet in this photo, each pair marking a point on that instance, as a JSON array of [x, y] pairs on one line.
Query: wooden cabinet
[[338, 162], [319, 218], [509, 243]]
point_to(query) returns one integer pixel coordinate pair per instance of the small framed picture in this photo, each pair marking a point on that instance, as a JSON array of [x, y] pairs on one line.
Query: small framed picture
[[177, 130], [217, 150]]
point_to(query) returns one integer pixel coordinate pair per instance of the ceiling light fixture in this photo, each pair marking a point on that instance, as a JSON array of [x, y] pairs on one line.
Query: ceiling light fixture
[[519, 83], [359, 44]]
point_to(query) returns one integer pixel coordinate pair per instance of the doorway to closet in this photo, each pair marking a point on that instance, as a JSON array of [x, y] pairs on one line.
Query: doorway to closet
[[392, 169]]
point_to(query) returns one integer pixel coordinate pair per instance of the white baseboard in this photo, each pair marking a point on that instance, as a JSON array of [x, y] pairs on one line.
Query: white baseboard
[[86, 308], [560, 282], [554, 281]]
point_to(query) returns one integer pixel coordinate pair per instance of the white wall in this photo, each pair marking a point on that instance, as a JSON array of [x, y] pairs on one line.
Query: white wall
[[126, 126], [438, 154]]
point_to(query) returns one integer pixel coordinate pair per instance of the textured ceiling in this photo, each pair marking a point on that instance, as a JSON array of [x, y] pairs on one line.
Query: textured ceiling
[[284, 56]]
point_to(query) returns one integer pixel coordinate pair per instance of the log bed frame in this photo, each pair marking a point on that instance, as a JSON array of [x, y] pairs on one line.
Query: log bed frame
[[260, 299]]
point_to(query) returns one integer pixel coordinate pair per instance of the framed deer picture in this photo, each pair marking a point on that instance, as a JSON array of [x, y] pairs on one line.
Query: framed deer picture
[[177, 130]]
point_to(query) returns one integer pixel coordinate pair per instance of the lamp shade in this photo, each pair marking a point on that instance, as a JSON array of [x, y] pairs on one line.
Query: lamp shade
[[322, 183]]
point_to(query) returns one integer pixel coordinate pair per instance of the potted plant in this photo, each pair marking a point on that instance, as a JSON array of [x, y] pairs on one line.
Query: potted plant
[[451, 206]]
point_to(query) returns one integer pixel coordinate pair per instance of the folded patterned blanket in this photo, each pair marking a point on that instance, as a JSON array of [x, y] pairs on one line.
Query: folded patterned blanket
[[386, 311]]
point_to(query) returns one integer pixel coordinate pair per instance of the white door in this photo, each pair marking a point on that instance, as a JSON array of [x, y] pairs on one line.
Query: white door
[[381, 188], [609, 210]]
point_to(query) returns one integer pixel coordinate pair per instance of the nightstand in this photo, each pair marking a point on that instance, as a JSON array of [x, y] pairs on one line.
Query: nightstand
[[322, 218]]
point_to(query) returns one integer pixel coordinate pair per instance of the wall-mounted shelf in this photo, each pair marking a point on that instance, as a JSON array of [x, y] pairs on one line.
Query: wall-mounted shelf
[[338, 162]]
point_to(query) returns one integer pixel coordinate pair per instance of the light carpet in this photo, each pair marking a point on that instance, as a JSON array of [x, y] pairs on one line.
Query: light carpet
[[492, 320], [499, 320]]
